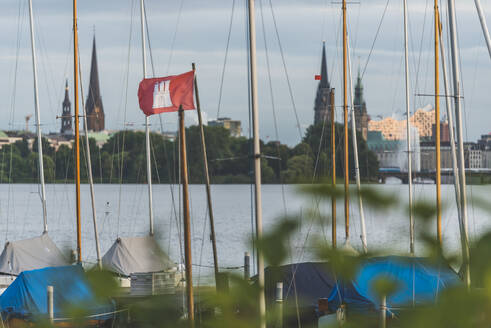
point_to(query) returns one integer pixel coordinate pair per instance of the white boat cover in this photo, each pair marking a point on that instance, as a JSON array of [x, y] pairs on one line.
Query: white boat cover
[[136, 255], [30, 254]]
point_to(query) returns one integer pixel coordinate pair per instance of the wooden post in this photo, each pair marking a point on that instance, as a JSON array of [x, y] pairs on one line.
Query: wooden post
[[187, 223], [279, 304], [345, 110], [247, 266], [50, 304], [77, 133], [333, 160], [207, 177]]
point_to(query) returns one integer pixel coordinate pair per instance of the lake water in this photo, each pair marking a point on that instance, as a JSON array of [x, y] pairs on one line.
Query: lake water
[[123, 211]]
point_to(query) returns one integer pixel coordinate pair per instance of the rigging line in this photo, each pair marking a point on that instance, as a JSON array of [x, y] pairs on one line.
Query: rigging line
[[20, 21], [418, 67], [275, 119], [171, 179], [290, 91], [277, 145], [174, 36], [124, 118], [375, 39], [465, 120], [148, 38], [43, 63], [222, 78]]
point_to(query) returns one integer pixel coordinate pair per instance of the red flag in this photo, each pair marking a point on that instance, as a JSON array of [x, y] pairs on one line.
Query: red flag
[[166, 94], [317, 77]]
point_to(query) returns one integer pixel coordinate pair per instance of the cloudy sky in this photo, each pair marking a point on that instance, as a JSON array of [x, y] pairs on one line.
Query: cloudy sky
[[186, 31]]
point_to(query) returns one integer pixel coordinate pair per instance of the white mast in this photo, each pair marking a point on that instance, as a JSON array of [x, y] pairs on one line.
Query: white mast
[[147, 124], [484, 26], [458, 121], [91, 181], [450, 127], [257, 161], [355, 153], [38, 120], [408, 135]]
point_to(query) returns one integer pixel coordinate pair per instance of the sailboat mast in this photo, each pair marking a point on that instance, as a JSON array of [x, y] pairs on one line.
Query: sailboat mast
[[77, 132], [91, 179], [437, 131], [257, 160], [38, 120], [408, 134], [458, 121], [147, 123], [484, 26], [207, 177], [345, 110], [450, 125], [333, 174], [355, 154]]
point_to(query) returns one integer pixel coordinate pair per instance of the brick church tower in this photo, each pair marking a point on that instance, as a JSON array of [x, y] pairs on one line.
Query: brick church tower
[[93, 106]]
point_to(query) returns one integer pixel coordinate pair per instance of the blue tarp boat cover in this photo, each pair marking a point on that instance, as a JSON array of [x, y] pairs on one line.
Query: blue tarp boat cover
[[303, 284], [26, 297], [418, 282]]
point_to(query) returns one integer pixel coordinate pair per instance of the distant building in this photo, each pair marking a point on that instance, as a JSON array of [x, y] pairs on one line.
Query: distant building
[[6, 139], [66, 116], [428, 156], [444, 132], [392, 129], [393, 153], [485, 141], [57, 140], [473, 155], [93, 106], [233, 126], [324, 99], [100, 137], [486, 159], [361, 116]]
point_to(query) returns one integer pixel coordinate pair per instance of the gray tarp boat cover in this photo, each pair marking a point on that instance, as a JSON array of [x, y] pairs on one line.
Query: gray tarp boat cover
[[135, 255], [30, 254]]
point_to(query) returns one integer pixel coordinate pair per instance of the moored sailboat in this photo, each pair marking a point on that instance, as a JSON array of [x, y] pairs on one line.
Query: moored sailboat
[[37, 252]]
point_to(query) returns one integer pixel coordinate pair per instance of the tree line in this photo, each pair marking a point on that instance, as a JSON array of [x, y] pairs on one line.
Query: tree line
[[122, 159]]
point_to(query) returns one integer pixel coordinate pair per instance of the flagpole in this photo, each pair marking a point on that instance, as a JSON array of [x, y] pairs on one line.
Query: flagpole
[[187, 223], [147, 123], [207, 178]]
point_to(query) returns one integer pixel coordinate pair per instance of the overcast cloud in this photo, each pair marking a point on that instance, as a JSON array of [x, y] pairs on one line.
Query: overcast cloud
[[201, 37]]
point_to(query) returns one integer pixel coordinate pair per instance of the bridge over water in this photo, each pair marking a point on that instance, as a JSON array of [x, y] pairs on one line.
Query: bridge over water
[[395, 172]]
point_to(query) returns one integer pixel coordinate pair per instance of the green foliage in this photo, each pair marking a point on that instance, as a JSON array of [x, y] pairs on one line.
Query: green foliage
[[123, 159]]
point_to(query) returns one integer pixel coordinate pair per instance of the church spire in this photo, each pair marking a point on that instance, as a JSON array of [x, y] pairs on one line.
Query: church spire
[[94, 107], [324, 76], [324, 100], [66, 116]]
